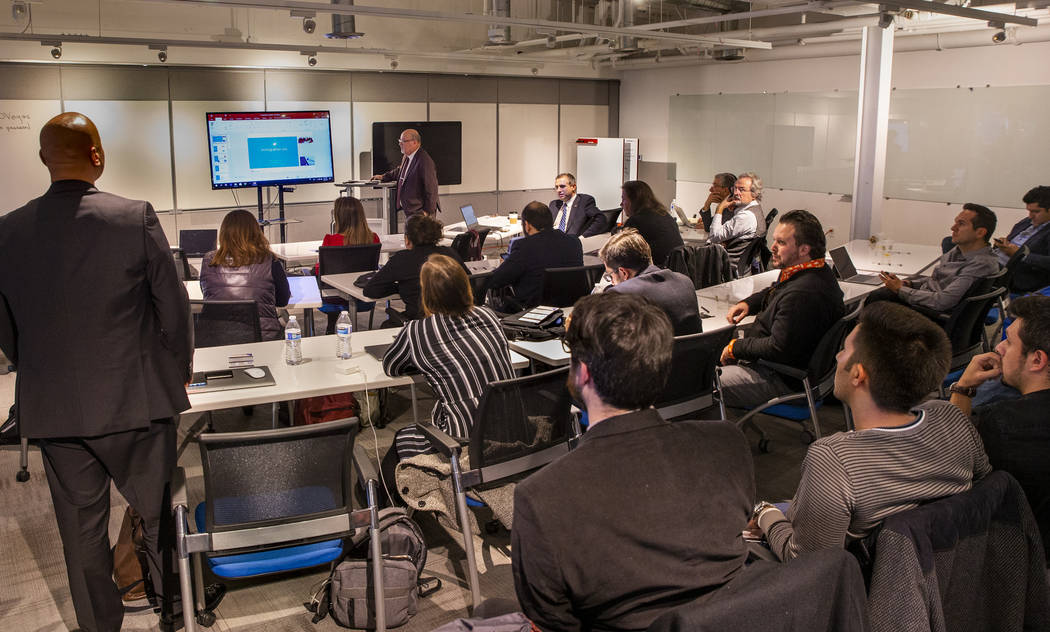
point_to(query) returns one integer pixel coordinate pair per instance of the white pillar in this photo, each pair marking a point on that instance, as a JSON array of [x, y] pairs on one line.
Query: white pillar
[[873, 106]]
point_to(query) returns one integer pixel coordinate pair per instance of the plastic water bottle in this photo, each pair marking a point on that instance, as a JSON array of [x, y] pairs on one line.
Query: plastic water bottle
[[293, 344], [343, 329]]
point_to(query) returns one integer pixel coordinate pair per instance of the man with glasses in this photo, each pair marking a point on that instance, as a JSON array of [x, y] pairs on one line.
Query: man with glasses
[[630, 270], [416, 176], [738, 219], [575, 214], [585, 553]]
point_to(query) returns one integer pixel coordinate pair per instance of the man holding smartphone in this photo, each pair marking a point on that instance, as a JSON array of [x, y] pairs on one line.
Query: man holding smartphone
[[1034, 232]]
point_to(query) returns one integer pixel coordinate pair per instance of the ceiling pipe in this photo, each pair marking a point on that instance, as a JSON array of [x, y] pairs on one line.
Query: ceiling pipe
[[498, 35]]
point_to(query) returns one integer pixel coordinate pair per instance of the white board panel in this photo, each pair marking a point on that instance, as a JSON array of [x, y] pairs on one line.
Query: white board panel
[[23, 177], [366, 113], [192, 164], [341, 157], [578, 121], [137, 141], [479, 144], [528, 146]]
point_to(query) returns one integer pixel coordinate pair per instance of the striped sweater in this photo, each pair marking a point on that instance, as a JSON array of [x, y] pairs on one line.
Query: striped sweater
[[458, 356], [851, 481]]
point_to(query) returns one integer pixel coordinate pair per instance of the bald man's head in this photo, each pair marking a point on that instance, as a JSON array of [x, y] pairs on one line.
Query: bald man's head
[[71, 149]]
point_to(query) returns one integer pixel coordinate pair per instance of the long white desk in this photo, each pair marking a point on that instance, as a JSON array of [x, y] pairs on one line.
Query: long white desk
[[304, 253], [305, 297], [896, 257], [504, 229]]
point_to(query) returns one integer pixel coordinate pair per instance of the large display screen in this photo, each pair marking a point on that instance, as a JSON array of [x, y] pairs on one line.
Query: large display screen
[[443, 140], [253, 149]]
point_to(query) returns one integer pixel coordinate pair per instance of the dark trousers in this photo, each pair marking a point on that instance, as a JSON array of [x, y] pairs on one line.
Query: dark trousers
[[79, 471]]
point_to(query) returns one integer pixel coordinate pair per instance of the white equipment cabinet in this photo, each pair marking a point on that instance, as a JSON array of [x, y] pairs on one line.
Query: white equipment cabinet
[[603, 165]]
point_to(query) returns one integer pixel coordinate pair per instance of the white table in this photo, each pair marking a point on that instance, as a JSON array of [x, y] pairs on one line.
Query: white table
[[504, 229], [305, 296], [304, 253], [891, 256]]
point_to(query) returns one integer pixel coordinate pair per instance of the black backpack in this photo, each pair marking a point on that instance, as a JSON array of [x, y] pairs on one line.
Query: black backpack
[[347, 592]]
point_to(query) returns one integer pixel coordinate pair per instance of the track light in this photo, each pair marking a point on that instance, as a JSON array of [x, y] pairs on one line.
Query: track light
[[309, 26], [999, 37]]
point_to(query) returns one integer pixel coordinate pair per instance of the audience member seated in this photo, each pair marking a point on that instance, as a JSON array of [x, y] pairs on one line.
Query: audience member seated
[[629, 268], [721, 188], [400, 275], [644, 515], [542, 247], [901, 454], [575, 214], [738, 219], [958, 269], [244, 268], [1034, 272], [649, 217], [790, 317], [458, 347], [351, 229], [1016, 432]]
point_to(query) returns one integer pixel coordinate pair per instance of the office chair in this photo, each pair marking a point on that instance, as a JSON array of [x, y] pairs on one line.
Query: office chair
[[818, 381], [691, 380], [563, 286], [258, 519], [610, 219], [182, 264], [339, 260], [217, 323], [521, 425], [706, 265]]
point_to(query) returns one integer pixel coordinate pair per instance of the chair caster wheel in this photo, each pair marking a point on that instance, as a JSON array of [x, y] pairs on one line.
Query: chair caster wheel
[[807, 437], [22, 476], [206, 618], [763, 446]]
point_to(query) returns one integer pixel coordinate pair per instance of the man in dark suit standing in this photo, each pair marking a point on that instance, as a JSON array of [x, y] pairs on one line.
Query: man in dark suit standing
[[1034, 231], [575, 214], [97, 323], [416, 176], [541, 248]]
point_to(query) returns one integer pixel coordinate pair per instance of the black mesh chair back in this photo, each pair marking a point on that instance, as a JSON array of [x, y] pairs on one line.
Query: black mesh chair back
[[462, 244], [965, 326], [265, 477], [610, 218], [217, 323], [341, 259], [691, 380], [518, 418], [563, 286], [770, 216], [946, 244], [751, 260], [198, 242], [182, 264], [822, 363]]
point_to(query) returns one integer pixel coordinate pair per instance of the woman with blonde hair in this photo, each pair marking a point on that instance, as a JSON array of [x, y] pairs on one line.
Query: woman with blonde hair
[[244, 268]]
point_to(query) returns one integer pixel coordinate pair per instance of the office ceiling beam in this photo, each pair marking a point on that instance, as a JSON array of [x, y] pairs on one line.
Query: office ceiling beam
[[810, 7], [993, 17], [415, 14]]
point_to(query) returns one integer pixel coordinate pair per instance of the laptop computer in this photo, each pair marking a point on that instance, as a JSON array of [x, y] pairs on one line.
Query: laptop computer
[[846, 271], [228, 380], [377, 351], [197, 242], [470, 220]]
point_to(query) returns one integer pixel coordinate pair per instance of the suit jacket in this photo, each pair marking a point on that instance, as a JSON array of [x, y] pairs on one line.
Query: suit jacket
[[523, 268], [400, 275], [93, 314], [1034, 272], [671, 291], [419, 192], [585, 220], [645, 515]]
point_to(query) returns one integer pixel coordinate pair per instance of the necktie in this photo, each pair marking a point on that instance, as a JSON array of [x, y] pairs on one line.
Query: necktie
[[401, 179], [564, 217]]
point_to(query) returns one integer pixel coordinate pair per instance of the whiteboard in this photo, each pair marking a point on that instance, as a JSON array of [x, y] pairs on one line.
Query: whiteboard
[[23, 177], [368, 112], [340, 122], [192, 162], [137, 143], [479, 144], [578, 121], [528, 146]]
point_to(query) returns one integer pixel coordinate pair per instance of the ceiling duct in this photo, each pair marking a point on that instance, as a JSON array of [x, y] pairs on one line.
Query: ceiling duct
[[626, 43], [498, 35], [728, 54], [343, 26]]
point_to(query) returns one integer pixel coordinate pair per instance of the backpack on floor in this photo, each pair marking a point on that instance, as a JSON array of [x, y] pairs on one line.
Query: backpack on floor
[[347, 592]]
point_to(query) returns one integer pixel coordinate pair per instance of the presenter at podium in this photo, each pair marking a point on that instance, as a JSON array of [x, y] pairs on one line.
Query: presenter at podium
[[416, 176]]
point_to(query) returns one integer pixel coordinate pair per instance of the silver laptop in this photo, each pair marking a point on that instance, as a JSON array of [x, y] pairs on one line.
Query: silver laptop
[[227, 380], [471, 219], [846, 271]]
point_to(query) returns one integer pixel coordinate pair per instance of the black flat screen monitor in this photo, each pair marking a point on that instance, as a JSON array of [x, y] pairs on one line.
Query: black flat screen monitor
[[258, 149], [443, 140]]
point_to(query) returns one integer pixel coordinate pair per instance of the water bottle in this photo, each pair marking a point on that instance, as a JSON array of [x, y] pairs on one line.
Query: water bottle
[[293, 344], [343, 329]]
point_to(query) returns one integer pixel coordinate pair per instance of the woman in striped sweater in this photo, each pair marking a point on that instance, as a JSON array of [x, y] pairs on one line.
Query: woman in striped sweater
[[459, 348]]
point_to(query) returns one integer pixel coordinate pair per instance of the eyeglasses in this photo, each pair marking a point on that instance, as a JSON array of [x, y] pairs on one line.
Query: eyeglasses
[[741, 188], [402, 141]]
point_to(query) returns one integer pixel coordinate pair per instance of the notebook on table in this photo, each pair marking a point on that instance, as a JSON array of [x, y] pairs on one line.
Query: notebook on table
[[228, 380], [846, 271]]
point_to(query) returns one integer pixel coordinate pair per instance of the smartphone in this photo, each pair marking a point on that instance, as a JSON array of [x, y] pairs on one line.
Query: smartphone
[[218, 375]]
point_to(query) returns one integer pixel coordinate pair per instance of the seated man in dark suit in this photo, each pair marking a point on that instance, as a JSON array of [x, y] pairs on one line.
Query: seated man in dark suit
[[1016, 433], [629, 267], [575, 213], [644, 515], [541, 248], [1034, 272]]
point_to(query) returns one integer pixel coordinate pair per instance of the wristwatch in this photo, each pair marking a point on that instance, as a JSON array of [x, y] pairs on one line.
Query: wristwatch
[[965, 391], [761, 506]]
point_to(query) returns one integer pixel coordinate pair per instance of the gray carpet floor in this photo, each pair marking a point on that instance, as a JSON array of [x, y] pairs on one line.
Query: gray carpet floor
[[32, 570]]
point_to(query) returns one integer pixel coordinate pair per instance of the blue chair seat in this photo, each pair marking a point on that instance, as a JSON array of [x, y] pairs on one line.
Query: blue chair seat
[[792, 411], [271, 561]]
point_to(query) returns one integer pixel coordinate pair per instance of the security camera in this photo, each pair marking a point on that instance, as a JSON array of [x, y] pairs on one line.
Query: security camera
[[162, 56], [56, 52], [309, 26], [394, 64], [312, 61], [999, 37]]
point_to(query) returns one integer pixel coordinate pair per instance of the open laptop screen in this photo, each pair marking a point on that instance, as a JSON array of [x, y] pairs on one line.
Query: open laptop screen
[[469, 218], [197, 243], [844, 268]]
